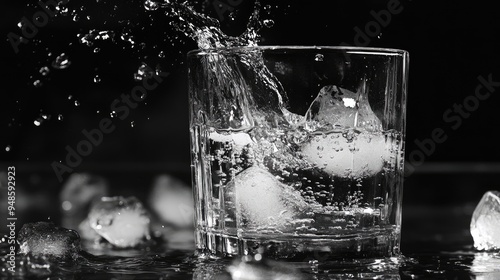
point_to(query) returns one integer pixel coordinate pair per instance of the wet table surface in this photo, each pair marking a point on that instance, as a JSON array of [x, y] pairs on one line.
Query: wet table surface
[[436, 243]]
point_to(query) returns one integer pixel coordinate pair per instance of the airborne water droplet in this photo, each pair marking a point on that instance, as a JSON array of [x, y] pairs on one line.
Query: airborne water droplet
[[7, 148], [38, 122], [44, 71], [77, 103], [61, 62], [37, 83], [76, 18], [268, 23], [144, 71], [150, 5], [161, 54], [96, 50], [132, 124], [60, 117], [97, 79], [319, 57], [113, 114]]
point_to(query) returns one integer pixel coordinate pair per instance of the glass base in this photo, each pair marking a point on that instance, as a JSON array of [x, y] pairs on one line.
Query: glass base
[[372, 252]]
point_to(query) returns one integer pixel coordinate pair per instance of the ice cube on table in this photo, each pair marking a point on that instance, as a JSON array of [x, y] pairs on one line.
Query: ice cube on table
[[44, 239], [348, 155], [77, 193], [172, 200], [485, 223], [263, 200], [335, 106], [87, 232], [123, 222]]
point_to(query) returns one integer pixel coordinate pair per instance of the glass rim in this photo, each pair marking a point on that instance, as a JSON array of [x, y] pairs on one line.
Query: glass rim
[[348, 49]]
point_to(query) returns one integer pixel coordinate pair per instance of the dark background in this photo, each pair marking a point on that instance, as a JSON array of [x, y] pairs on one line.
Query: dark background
[[450, 44]]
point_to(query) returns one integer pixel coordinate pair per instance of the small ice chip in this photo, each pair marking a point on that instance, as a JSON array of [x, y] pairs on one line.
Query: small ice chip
[[123, 222], [44, 239], [485, 223]]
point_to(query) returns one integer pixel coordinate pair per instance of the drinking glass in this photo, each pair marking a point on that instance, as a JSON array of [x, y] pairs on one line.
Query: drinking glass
[[298, 152]]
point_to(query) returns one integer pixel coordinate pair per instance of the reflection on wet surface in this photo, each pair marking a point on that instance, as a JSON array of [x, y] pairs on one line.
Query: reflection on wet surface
[[164, 263]]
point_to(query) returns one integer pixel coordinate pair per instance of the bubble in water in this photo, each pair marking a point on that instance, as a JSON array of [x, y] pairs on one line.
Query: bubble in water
[[150, 5], [7, 148], [61, 62], [76, 18], [319, 57], [37, 83], [60, 117], [97, 79], [44, 71], [96, 50], [268, 23]]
